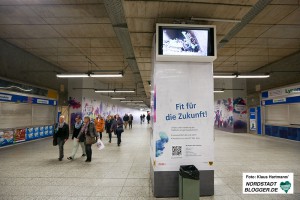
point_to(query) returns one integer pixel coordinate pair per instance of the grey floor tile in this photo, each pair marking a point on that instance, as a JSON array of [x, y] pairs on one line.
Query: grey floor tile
[[135, 192]]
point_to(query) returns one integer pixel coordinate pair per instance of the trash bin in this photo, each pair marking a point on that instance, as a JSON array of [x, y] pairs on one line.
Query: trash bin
[[189, 184]]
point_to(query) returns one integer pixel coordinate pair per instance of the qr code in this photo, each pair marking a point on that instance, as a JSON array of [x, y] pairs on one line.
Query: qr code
[[176, 150]]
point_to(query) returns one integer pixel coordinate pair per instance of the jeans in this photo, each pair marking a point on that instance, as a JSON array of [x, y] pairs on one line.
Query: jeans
[[61, 142], [88, 149], [130, 124], [75, 147], [119, 137]]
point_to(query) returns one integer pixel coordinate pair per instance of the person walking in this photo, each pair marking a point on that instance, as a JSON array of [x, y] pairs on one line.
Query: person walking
[[144, 118], [119, 129], [90, 134], [141, 117], [76, 129], [108, 124], [99, 123], [61, 135], [126, 119], [130, 120], [114, 125], [148, 117]]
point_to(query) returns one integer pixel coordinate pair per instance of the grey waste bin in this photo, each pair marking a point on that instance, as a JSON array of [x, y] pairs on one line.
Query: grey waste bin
[[189, 183]]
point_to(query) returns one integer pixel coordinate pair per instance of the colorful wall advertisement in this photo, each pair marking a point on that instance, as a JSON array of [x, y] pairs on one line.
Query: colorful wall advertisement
[[51, 130], [240, 115], [6, 137], [41, 132], [183, 129], [29, 134], [19, 135], [224, 114], [46, 131], [36, 133]]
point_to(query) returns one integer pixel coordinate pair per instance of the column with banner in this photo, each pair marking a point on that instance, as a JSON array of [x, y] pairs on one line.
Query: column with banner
[[182, 104]]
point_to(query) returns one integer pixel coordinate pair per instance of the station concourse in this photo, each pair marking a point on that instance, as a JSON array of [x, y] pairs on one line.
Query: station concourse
[[201, 98]]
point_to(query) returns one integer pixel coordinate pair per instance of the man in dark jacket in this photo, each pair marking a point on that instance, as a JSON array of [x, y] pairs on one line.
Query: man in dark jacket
[[126, 119], [61, 135]]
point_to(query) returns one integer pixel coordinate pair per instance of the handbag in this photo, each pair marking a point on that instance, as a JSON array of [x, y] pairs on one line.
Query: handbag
[[90, 140], [100, 145]]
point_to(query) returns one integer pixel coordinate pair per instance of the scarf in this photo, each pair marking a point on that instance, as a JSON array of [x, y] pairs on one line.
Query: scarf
[[78, 125], [60, 125], [84, 129]]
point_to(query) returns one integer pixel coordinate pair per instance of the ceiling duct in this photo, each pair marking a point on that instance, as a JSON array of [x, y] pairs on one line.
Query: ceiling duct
[[116, 14], [254, 11]]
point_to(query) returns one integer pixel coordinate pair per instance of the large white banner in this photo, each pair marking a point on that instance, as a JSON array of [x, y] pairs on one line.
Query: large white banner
[[183, 111]]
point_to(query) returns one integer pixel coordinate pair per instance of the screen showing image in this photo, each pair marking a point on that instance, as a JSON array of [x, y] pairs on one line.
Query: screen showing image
[[184, 42]]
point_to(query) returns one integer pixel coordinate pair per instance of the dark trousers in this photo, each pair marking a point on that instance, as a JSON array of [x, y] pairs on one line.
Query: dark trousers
[[100, 133], [119, 137], [109, 135], [130, 124], [60, 143], [88, 150]]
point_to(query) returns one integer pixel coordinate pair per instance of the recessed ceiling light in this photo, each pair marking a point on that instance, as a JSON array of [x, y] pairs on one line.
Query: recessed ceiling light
[[72, 75]]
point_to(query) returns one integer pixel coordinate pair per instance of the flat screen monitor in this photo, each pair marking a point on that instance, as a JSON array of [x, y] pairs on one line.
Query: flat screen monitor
[[177, 42]]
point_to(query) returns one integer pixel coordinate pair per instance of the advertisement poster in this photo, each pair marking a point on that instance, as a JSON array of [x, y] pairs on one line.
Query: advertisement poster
[[50, 130], [36, 133], [29, 134], [183, 130], [252, 119], [6, 137], [240, 114], [46, 131], [224, 114], [20, 135], [41, 132]]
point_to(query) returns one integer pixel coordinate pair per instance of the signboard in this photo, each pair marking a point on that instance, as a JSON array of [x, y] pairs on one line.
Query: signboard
[[287, 91], [25, 99], [183, 125]]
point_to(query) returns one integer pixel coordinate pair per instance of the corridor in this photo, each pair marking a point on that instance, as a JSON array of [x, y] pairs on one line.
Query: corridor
[[31, 171]]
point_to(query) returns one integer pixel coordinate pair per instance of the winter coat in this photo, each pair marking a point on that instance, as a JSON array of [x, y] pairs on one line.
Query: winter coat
[[91, 133], [63, 132], [99, 123], [108, 124]]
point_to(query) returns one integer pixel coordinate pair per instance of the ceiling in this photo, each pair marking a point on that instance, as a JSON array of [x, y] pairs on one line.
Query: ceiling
[[80, 36]]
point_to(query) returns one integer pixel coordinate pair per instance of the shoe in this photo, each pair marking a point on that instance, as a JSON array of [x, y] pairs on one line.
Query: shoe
[[87, 160], [83, 155], [60, 159], [70, 158], [118, 145]]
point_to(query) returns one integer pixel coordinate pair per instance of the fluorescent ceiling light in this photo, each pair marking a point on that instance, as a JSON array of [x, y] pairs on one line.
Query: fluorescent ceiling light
[[118, 98], [72, 75], [125, 91], [104, 91], [253, 76], [132, 101], [106, 75], [224, 76], [215, 20], [218, 91], [10, 87]]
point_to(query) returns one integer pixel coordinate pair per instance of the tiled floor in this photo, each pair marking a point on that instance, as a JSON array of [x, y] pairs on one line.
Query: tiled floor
[[31, 171]]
